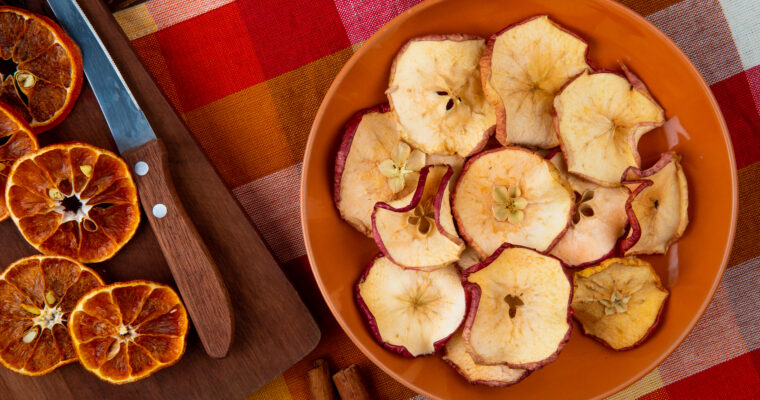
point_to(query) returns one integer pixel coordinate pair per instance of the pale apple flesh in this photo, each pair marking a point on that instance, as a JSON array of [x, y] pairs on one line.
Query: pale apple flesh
[[657, 207], [599, 220], [488, 375], [519, 309], [369, 139], [600, 118], [411, 312], [436, 95], [454, 161], [524, 66], [547, 200], [417, 231], [619, 302]]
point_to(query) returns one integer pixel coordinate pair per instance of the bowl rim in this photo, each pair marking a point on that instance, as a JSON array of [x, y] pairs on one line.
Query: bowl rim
[[608, 3]]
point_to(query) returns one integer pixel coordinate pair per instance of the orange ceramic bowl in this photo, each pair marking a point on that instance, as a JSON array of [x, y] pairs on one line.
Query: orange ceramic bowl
[[692, 268]]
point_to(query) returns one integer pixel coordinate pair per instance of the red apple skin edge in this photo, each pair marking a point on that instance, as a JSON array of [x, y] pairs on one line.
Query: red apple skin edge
[[485, 73], [415, 201], [454, 37], [615, 248], [466, 236], [637, 85], [633, 176], [372, 323], [487, 383], [475, 293], [637, 344], [345, 144], [439, 197]]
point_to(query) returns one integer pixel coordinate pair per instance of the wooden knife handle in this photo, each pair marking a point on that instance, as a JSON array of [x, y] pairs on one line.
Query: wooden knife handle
[[192, 266]]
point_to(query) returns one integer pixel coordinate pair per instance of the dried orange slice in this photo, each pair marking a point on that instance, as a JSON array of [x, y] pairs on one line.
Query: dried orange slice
[[37, 295], [41, 68], [126, 331], [16, 140], [73, 200]]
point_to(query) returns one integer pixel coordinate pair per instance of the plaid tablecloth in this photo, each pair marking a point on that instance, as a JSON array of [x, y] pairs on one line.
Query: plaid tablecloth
[[248, 77]]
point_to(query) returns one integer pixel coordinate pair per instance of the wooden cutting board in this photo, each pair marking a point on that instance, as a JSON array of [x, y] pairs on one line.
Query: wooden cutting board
[[273, 328]]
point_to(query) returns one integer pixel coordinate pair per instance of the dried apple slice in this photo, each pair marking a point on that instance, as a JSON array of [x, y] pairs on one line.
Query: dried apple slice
[[600, 118], [619, 302], [599, 220], [658, 207], [488, 375], [436, 94], [468, 258], [411, 312], [524, 66], [519, 309], [418, 231], [511, 195], [373, 165], [455, 162]]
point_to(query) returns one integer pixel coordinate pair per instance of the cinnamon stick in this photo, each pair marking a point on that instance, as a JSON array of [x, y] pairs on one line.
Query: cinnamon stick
[[319, 381], [350, 384]]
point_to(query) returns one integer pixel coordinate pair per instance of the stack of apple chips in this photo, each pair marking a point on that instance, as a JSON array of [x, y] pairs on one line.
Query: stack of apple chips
[[479, 238]]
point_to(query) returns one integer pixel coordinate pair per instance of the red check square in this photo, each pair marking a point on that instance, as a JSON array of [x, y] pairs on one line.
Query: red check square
[[738, 106], [290, 34], [210, 56], [733, 379]]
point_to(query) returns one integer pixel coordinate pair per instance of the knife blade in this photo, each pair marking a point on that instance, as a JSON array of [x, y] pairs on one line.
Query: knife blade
[[195, 273]]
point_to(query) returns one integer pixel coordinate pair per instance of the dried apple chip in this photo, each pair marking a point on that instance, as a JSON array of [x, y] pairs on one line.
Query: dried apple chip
[[511, 195], [418, 231], [519, 309], [658, 207], [436, 95], [411, 312], [619, 302], [73, 200], [488, 375], [523, 67], [599, 220], [600, 119], [373, 165]]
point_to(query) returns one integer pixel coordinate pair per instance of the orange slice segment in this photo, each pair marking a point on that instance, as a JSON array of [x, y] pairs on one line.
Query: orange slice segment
[[37, 295], [41, 68], [73, 200], [16, 140], [127, 331]]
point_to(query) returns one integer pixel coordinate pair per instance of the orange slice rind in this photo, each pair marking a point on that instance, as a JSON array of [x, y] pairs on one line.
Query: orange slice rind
[[16, 141], [127, 331], [41, 68], [37, 295], [73, 200]]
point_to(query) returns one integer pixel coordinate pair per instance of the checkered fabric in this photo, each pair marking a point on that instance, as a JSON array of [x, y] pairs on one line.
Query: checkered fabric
[[248, 77]]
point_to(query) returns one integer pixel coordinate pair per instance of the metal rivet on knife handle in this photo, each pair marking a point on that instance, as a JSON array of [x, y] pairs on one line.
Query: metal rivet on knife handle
[[141, 168], [159, 210]]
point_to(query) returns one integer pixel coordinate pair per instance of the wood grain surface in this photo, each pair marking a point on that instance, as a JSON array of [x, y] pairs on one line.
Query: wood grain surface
[[273, 329], [193, 268]]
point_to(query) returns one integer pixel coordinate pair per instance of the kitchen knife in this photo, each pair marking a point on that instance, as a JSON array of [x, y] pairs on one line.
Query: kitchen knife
[[191, 264]]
